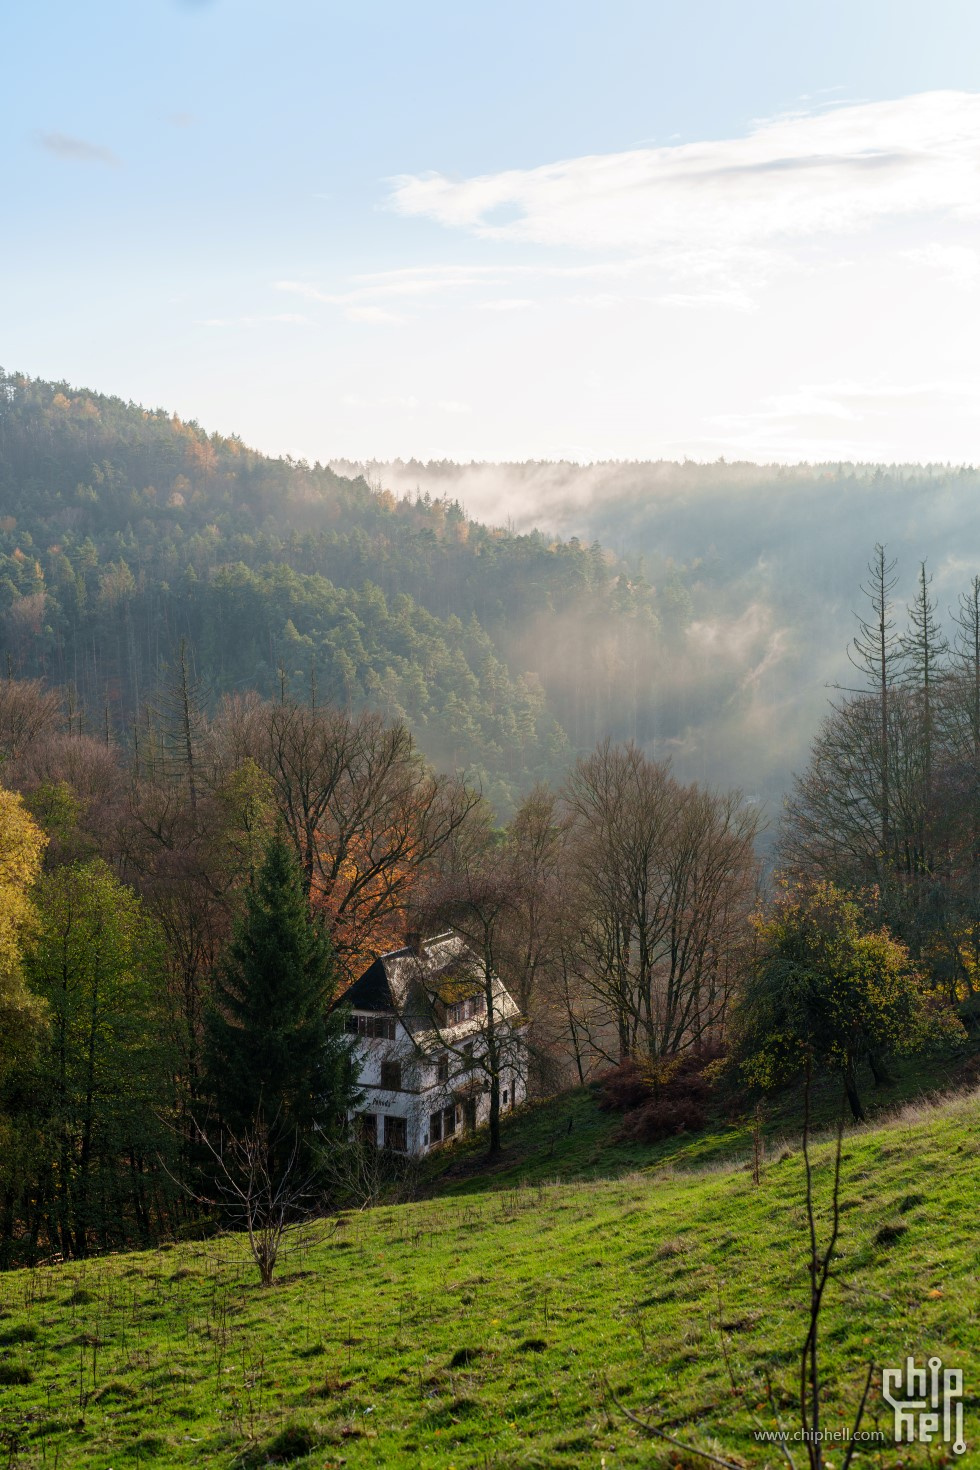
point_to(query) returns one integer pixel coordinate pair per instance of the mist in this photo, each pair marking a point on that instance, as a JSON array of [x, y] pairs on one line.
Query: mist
[[768, 562]]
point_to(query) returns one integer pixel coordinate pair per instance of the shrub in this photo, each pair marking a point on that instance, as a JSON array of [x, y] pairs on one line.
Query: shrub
[[662, 1098], [662, 1117], [625, 1087]]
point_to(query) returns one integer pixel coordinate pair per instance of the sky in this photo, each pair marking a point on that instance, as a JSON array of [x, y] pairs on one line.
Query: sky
[[703, 228]]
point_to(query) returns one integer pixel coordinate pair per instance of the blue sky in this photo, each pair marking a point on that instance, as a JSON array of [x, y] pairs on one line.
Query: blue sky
[[503, 230]]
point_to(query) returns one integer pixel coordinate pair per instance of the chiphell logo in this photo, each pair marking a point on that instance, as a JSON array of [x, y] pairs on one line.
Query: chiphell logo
[[928, 1403]]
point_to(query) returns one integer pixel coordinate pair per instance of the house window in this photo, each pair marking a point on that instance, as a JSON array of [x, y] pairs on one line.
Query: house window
[[465, 1010], [391, 1076], [367, 1127], [396, 1134], [449, 1121], [435, 1127], [506, 1095], [374, 1027], [468, 1055], [442, 1068]]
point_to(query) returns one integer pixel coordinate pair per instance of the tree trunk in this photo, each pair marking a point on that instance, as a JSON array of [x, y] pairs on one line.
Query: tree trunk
[[879, 1071], [495, 1143], [850, 1086]]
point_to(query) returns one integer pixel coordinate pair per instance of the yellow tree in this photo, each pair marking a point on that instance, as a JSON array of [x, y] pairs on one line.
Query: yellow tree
[[22, 846]]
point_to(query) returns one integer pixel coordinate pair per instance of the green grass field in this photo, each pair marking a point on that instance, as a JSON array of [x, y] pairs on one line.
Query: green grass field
[[492, 1327]]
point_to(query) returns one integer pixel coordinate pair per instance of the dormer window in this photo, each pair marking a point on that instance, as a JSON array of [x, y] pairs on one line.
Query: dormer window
[[466, 1010]]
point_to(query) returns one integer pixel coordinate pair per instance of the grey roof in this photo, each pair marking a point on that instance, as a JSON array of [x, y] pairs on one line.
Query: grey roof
[[405, 980]]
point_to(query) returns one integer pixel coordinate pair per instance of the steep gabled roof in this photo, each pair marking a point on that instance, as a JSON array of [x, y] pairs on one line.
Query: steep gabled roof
[[371, 991], [387, 984], [406, 980]]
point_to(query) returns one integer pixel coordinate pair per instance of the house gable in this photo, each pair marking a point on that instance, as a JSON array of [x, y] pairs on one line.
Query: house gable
[[371, 991]]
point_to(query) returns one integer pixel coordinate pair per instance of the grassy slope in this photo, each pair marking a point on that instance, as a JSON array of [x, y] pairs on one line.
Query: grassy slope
[[568, 1137], [476, 1330]]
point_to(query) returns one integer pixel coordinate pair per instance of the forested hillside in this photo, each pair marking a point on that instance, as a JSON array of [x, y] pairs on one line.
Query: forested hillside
[[124, 530], [213, 816], [771, 557]]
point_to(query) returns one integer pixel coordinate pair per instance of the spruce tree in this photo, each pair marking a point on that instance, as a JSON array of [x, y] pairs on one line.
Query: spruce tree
[[277, 1056]]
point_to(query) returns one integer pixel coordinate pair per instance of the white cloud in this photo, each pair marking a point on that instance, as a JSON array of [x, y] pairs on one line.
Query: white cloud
[[418, 286], [733, 300], [844, 419], [288, 318], [790, 178], [375, 315], [806, 290], [404, 402], [508, 303], [957, 263]]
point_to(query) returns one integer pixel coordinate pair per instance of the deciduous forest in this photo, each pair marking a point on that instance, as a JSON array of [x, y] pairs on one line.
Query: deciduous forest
[[257, 719]]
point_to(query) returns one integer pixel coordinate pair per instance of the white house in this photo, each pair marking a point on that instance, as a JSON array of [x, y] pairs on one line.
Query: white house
[[429, 1045]]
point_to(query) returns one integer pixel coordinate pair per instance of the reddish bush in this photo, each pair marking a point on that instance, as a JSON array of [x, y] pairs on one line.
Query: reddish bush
[[662, 1117], [626, 1087], [662, 1098]]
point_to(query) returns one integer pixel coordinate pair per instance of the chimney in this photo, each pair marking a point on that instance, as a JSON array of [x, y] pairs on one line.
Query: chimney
[[414, 941]]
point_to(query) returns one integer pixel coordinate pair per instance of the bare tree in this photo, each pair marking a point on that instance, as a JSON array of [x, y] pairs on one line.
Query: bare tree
[[478, 900], [873, 652], [359, 1174], [259, 1189], [664, 878], [819, 1270], [28, 712], [923, 649]]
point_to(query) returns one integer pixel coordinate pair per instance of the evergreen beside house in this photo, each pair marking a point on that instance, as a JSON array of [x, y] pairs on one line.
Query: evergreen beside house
[[435, 1029]]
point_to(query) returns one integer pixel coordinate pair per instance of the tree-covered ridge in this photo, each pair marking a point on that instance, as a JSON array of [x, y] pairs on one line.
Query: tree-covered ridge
[[123, 530]]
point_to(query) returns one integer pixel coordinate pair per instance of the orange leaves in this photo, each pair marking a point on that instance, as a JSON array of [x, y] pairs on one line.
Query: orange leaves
[[362, 904]]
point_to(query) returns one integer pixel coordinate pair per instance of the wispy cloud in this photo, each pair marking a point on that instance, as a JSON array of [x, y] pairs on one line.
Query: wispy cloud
[[76, 150], [289, 318], [369, 297], [374, 315], [957, 263], [840, 419], [733, 300], [508, 303], [790, 178]]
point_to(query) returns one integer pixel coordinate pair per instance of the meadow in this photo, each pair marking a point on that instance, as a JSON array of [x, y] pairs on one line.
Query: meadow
[[513, 1326]]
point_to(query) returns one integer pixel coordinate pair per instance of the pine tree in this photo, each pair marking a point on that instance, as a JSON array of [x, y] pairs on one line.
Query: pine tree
[[277, 1056]]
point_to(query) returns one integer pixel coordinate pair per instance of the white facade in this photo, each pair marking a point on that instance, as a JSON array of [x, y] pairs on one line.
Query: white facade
[[426, 1062]]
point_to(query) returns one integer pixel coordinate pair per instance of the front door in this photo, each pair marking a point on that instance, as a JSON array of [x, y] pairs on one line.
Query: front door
[[469, 1113]]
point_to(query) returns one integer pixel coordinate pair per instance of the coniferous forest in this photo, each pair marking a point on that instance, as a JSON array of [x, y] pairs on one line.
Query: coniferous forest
[[127, 534]]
